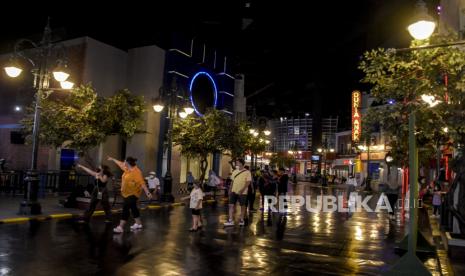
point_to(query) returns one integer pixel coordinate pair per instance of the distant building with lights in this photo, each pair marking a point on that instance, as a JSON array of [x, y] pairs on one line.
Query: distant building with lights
[[293, 134], [328, 132]]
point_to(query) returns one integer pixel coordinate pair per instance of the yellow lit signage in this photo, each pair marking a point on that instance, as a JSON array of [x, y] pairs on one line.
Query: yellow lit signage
[[356, 116]]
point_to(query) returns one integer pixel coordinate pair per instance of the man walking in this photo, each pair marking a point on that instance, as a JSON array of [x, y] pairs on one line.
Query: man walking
[[241, 179]]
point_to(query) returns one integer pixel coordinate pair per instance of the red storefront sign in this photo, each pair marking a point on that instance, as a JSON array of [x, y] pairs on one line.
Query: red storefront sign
[[356, 116]]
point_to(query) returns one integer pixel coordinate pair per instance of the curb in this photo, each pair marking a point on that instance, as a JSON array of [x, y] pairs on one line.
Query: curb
[[441, 252], [17, 220]]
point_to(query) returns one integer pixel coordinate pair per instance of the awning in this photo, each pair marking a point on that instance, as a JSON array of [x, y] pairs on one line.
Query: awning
[[341, 167]]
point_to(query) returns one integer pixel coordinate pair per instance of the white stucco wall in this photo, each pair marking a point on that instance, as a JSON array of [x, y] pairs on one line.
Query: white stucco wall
[[145, 69], [105, 66]]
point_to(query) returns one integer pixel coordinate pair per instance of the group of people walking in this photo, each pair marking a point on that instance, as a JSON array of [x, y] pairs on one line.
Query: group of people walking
[[245, 184], [241, 186], [132, 184]]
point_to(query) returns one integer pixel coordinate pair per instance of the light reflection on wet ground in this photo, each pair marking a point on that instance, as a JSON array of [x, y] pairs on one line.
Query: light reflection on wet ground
[[272, 244]]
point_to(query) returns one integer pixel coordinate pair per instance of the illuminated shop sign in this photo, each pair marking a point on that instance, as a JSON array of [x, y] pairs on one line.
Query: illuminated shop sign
[[356, 116]]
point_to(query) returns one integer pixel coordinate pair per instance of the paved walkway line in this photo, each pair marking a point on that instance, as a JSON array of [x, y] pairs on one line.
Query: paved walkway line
[[13, 220], [61, 216], [95, 214]]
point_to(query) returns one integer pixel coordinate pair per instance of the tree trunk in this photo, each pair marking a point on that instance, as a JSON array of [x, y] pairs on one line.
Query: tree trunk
[[232, 162], [203, 168]]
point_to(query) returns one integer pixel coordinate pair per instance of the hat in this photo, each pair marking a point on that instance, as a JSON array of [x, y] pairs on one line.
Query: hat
[[151, 173]]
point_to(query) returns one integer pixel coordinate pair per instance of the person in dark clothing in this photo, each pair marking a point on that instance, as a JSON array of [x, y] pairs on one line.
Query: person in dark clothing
[[190, 181], [283, 180], [252, 192], [227, 185], [324, 180], [271, 181], [261, 187], [99, 193]]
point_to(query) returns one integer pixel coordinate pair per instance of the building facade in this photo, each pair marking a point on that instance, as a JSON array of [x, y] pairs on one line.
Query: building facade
[[328, 132], [143, 71]]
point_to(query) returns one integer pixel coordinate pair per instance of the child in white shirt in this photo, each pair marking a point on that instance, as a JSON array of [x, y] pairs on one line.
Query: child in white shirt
[[196, 198]]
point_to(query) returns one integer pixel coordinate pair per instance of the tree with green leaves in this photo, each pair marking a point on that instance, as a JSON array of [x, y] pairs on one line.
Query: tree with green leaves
[[200, 136], [81, 120], [215, 132], [243, 142], [282, 160], [436, 74], [240, 138]]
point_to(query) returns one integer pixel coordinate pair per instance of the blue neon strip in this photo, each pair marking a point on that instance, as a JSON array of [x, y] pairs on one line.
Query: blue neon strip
[[11, 126], [227, 93]]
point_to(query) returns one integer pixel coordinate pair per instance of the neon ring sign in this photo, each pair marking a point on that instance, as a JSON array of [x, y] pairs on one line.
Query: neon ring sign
[[201, 81]]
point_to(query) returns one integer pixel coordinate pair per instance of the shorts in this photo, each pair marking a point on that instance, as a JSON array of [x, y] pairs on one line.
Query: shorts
[[195, 212], [156, 190], [233, 198]]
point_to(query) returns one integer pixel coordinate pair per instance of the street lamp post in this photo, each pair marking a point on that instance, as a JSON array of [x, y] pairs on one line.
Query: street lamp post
[[323, 152], [261, 136], [177, 106], [369, 172], [42, 74], [409, 264]]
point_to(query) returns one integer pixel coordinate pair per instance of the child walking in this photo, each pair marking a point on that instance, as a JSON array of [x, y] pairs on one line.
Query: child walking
[[436, 200], [196, 198]]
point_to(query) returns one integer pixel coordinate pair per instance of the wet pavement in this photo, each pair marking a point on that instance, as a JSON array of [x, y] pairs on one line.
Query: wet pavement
[[272, 244]]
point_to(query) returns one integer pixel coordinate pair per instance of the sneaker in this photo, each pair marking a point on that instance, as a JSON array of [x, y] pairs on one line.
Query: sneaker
[[229, 223], [241, 223], [118, 229], [136, 226]]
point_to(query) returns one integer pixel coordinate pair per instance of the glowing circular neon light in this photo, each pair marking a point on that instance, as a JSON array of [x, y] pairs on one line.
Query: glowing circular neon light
[[215, 91]]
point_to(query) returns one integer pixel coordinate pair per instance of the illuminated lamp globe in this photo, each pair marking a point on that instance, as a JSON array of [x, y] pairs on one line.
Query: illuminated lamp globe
[[189, 110], [183, 114], [13, 71], [423, 24], [60, 76], [66, 85]]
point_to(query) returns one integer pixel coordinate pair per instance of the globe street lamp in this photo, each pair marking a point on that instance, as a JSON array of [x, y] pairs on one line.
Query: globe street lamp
[[42, 72], [423, 24], [178, 106], [323, 152], [259, 138], [421, 29], [260, 134]]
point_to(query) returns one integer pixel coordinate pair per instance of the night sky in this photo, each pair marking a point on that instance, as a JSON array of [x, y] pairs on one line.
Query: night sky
[[305, 53]]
